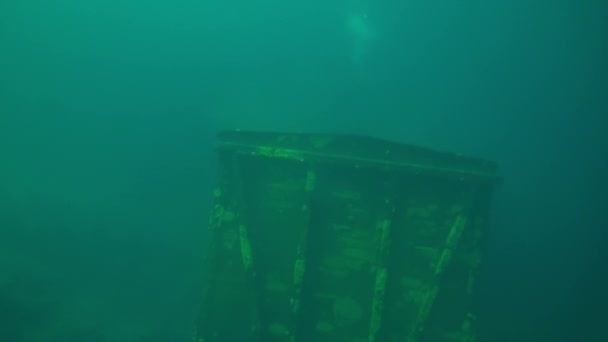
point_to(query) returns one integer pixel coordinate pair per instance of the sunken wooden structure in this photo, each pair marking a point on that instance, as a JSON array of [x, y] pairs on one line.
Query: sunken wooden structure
[[331, 238]]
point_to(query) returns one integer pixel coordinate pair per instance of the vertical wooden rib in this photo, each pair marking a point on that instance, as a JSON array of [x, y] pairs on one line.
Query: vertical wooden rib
[[241, 208], [445, 257], [384, 227], [299, 268]]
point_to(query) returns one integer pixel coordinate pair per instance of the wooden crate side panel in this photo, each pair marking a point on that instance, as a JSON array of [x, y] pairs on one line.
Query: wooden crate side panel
[[228, 305], [275, 193], [430, 221], [345, 234], [336, 252], [453, 318]]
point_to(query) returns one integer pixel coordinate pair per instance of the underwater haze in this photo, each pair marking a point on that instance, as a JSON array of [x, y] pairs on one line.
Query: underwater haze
[[108, 116]]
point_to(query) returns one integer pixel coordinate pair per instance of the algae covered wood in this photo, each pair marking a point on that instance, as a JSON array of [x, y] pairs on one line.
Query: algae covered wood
[[342, 238]]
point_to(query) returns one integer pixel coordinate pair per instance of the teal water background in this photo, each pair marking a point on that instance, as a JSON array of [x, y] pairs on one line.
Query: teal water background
[[108, 111]]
